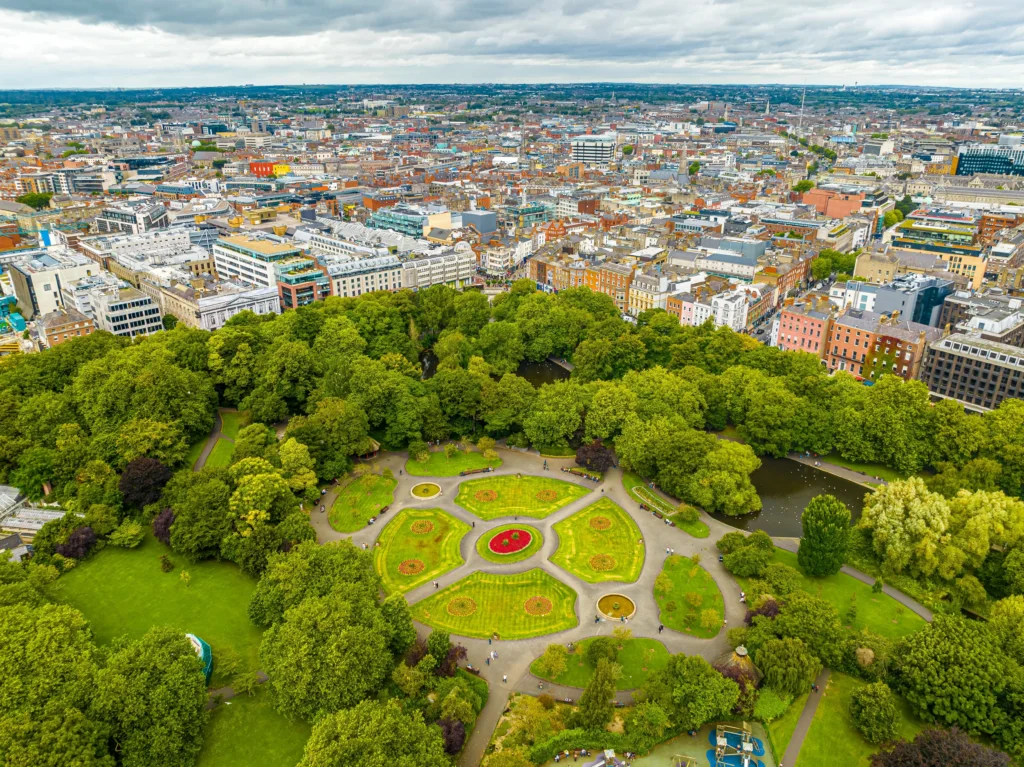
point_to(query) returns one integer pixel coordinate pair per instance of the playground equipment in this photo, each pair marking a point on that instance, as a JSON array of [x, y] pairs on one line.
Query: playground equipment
[[734, 747], [680, 760]]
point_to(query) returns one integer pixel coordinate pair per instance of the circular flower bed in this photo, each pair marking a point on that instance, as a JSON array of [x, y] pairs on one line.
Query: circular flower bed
[[616, 606], [538, 606], [600, 523], [486, 495], [411, 567], [422, 526], [461, 607], [425, 490], [602, 562], [547, 495], [510, 541]]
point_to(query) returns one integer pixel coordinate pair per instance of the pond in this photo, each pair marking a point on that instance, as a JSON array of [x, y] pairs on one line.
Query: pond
[[786, 487], [537, 373], [540, 373]]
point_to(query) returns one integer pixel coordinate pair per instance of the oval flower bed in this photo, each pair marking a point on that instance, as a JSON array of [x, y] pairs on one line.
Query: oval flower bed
[[510, 541]]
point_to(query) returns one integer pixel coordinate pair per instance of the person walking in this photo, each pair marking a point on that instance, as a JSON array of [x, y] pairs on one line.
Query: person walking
[[436, 585], [504, 678], [661, 627]]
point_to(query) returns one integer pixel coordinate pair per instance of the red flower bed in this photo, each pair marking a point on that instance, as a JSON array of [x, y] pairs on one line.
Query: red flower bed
[[510, 541]]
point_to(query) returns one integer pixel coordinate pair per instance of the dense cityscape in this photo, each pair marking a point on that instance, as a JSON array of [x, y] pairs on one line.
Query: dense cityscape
[[506, 425]]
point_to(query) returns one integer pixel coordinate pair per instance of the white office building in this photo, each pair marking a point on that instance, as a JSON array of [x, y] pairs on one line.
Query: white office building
[[594, 150]]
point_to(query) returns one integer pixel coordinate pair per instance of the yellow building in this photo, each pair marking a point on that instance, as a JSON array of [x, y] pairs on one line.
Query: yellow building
[[282, 169]]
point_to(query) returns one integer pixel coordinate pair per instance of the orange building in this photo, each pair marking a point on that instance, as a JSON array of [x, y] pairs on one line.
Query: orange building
[[833, 204]]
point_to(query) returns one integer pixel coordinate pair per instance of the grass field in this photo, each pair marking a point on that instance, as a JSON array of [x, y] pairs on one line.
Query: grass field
[[637, 489], [877, 612], [676, 611], [194, 452], [428, 536], [231, 423], [497, 604], [221, 454], [124, 592], [600, 543], [438, 465], [523, 496], [833, 740], [781, 730], [483, 550], [246, 730], [362, 498], [871, 469], [639, 658]]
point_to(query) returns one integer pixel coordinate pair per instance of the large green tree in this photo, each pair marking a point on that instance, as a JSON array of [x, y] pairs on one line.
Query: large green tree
[[826, 533], [691, 692], [153, 692], [374, 734]]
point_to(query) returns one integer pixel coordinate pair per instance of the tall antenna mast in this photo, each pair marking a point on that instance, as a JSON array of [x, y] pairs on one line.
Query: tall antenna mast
[[800, 127]]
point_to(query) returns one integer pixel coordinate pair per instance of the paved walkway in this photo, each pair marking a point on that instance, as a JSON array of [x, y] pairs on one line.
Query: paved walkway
[[514, 657], [803, 724], [211, 442], [860, 477]]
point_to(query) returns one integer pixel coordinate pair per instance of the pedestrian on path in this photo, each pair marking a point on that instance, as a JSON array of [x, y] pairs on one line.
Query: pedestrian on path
[[661, 627], [474, 525], [487, 660], [504, 679]]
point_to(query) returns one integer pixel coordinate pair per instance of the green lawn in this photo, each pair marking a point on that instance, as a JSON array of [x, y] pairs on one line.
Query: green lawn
[[635, 666], [124, 592], [879, 613], [512, 495], [487, 604], [833, 740], [781, 730], [426, 539], [439, 465], [231, 423], [600, 543], [484, 550], [871, 469], [360, 499], [221, 453], [675, 610], [194, 452], [637, 489], [246, 730]]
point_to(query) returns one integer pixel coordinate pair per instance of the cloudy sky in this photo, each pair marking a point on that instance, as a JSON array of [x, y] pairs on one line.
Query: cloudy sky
[[136, 43]]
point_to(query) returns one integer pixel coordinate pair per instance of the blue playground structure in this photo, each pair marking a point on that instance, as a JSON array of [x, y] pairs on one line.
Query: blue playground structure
[[734, 747]]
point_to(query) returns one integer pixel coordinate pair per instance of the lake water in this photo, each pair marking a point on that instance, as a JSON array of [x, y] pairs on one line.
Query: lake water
[[540, 373], [786, 487]]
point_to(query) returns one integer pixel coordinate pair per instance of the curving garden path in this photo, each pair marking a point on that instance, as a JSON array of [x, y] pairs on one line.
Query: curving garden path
[[515, 656]]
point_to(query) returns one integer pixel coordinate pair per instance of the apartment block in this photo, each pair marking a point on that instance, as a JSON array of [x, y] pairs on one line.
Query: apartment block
[[977, 373]]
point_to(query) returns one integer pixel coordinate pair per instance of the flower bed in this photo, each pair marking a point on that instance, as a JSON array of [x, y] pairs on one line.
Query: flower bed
[[510, 541]]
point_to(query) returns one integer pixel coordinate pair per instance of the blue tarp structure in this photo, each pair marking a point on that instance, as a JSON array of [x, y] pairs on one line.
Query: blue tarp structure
[[205, 654]]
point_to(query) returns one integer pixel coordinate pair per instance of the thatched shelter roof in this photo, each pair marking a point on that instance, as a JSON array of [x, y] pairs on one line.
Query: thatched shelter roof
[[738, 663]]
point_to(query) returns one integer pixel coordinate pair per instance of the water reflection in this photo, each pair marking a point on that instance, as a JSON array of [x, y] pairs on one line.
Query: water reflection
[[786, 487], [540, 373]]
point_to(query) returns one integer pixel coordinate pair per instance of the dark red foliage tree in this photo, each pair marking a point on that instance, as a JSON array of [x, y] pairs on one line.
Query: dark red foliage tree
[[162, 526], [417, 651], [769, 609], [939, 748], [454, 734], [78, 545], [595, 456], [450, 663], [142, 481]]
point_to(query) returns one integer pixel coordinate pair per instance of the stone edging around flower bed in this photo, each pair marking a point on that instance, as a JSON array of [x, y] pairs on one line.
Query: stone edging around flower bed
[[425, 497]]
